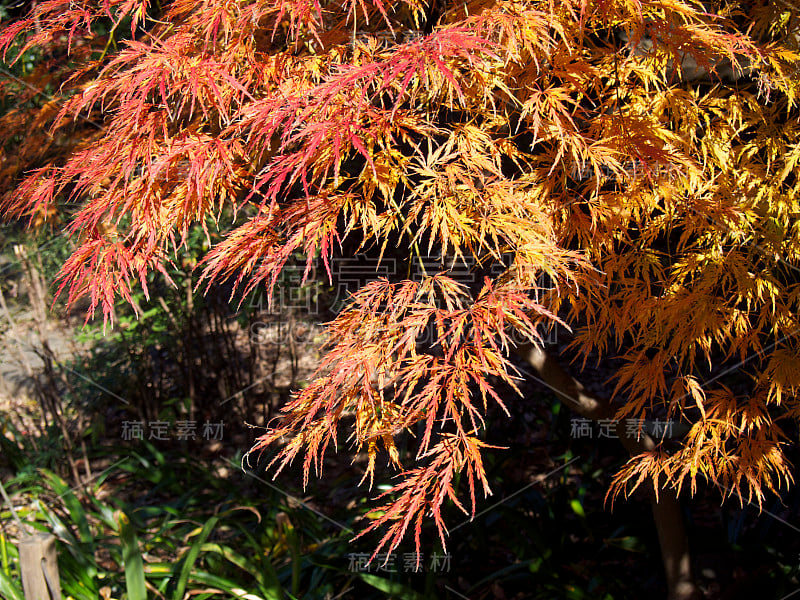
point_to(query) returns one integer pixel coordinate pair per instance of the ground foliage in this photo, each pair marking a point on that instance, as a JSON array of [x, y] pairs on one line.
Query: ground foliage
[[642, 155]]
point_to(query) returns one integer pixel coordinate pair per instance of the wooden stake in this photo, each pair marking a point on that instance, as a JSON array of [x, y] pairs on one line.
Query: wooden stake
[[39, 566]]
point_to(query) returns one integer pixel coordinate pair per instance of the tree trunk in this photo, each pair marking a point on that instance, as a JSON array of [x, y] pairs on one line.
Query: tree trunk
[[667, 513]]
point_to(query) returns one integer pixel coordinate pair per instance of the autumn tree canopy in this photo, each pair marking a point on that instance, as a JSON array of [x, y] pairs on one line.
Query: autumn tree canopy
[[643, 155]]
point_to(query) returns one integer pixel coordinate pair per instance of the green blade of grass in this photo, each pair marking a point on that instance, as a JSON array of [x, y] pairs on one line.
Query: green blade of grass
[[76, 511], [131, 559], [191, 557], [270, 589], [393, 588], [224, 585], [4, 554], [9, 589]]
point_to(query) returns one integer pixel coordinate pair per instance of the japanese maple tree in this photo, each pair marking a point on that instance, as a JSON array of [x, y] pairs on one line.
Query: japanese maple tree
[[643, 155]]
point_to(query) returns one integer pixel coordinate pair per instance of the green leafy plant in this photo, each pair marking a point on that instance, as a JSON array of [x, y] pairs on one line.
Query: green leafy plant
[[201, 543]]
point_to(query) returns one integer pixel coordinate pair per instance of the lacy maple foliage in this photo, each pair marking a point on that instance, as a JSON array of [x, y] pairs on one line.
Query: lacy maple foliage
[[642, 154]]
